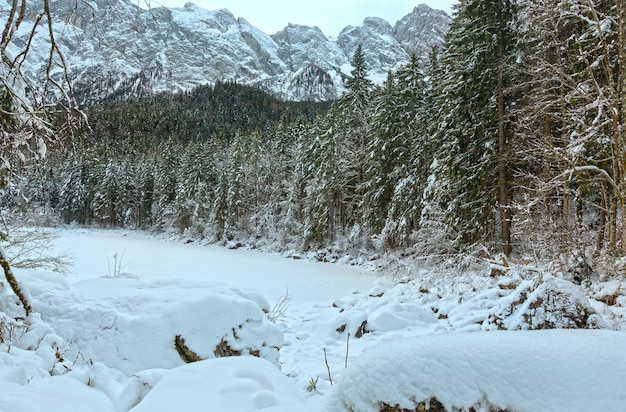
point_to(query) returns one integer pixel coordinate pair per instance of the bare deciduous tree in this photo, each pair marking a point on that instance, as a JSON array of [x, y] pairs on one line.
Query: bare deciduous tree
[[33, 112]]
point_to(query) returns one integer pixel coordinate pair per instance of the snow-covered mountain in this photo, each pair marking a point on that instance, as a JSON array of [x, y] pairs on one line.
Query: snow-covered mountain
[[116, 49]]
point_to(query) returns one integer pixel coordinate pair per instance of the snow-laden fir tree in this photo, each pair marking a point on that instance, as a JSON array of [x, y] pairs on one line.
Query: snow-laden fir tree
[[195, 186], [326, 168], [336, 160], [220, 216], [385, 152], [145, 184], [410, 154], [242, 165], [355, 124], [275, 175], [109, 201], [473, 168], [73, 194], [166, 175], [294, 205]]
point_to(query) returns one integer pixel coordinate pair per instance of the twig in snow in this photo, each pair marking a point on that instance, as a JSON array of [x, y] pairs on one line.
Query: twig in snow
[[327, 367], [347, 349]]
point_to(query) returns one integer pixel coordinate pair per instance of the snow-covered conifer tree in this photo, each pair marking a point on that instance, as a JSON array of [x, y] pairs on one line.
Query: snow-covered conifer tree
[[473, 168], [354, 124], [326, 171], [386, 151], [410, 153]]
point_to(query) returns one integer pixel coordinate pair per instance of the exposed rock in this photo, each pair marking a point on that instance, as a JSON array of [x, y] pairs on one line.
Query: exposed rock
[[115, 49], [186, 354]]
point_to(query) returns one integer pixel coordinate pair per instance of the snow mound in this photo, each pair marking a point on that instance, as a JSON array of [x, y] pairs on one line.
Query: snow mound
[[551, 370], [58, 393], [220, 318], [225, 384], [132, 324]]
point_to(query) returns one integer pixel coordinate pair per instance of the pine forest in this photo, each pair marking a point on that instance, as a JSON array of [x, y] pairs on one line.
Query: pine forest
[[509, 139]]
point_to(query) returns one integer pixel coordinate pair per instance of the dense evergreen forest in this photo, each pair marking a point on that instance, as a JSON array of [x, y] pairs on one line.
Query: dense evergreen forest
[[511, 138]]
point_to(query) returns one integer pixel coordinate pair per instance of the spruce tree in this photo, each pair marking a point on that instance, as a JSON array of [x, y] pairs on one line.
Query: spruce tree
[[336, 156], [73, 193], [326, 170], [385, 152], [110, 199], [294, 206], [353, 133], [411, 153], [220, 216], [166, 160], [197, 177], [473, 169]]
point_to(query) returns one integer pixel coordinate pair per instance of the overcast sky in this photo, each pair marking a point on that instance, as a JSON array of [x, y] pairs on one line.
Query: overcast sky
[[329, 15]]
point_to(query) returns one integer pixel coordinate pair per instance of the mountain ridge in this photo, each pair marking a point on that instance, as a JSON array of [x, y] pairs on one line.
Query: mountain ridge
[[115, 49]]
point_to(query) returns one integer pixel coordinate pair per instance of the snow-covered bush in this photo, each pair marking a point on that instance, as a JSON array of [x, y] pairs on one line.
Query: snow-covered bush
[[543, 303], [30, 348]]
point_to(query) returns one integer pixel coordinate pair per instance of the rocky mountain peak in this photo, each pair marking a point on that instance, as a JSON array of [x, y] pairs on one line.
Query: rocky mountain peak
[[116, 49], [422, 29]]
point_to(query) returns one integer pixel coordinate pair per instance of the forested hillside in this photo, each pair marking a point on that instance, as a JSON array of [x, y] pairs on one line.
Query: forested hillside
[[511, 138], [202, 114]]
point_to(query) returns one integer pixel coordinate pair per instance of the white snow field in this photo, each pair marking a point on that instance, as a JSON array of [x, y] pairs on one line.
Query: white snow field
[[110, 335]]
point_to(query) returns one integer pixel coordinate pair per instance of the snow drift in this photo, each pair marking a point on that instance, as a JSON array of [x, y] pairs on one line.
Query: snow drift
[[551, 370]]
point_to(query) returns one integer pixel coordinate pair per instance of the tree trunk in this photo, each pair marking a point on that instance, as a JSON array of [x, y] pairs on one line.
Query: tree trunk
[[615, 79], [565, 216], [503, 184], [612, 225], [8, 273], [602, 223], [621, 109]]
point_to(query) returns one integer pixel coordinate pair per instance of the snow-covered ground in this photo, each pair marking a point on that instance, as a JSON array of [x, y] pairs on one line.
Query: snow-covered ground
[[110, 335]]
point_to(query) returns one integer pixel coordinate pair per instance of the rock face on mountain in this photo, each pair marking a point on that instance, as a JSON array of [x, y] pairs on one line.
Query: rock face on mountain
[[115, 49]]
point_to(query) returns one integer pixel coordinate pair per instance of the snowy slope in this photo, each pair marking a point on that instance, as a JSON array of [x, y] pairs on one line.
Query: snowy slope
[[114, 49], [105, 332]]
